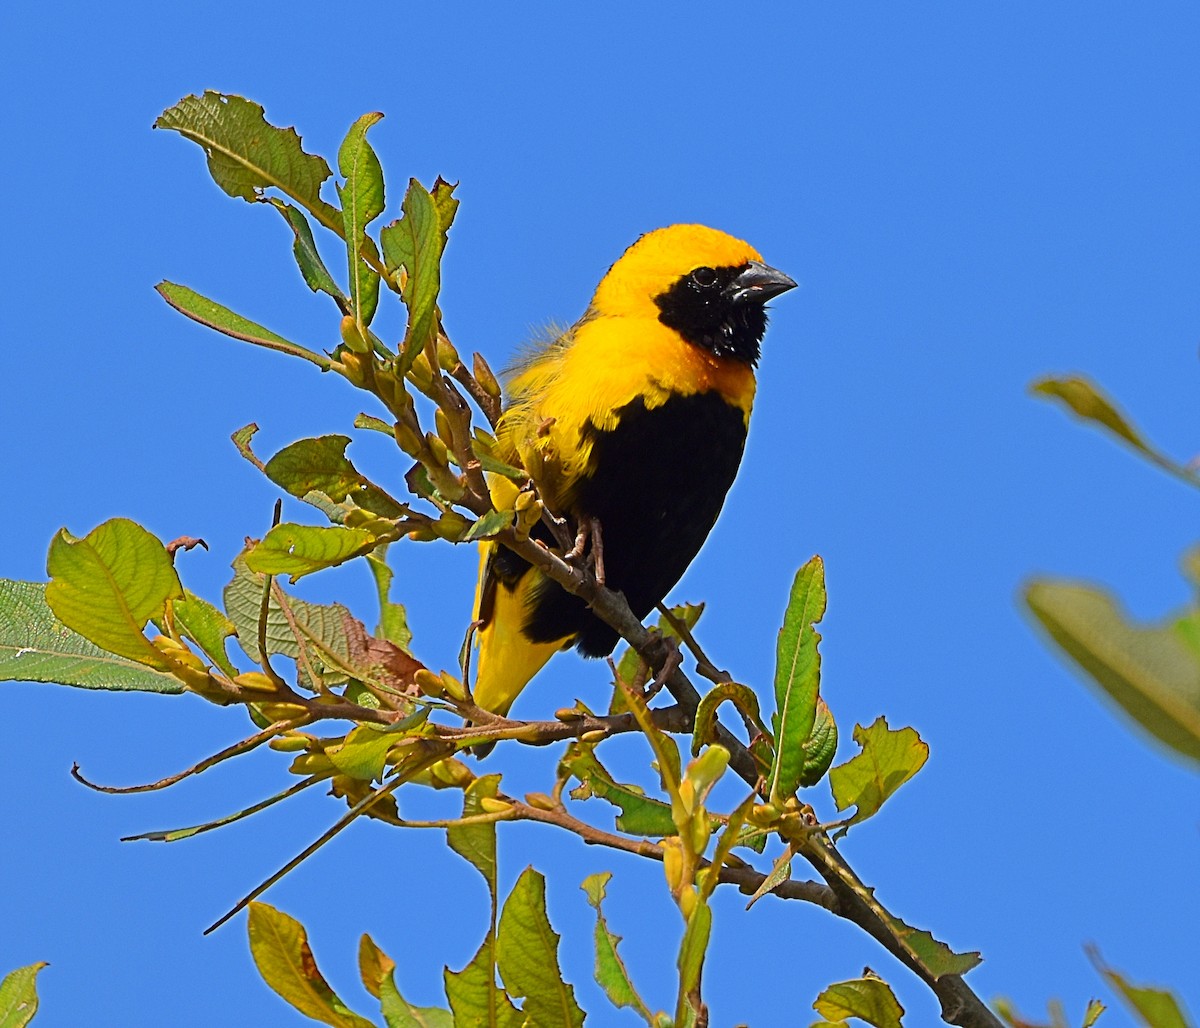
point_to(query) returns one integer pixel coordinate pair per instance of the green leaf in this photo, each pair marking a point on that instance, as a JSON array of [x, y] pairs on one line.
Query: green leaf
[[247, 155], [1154, 1007], [477, 843], [693, 947], [611, 973], [797, 679], [108, 584], [36, 647], [207, 627], [488, 525], [936, 957], [363, 752], [175, 834], [279, 945], [299, 550], [888, 760], [640, 815], [208, 312], [378, 975], [528, 956], [445, 205], [323, 625], [1152, 672], [870, 999], [308, 258], [321, 466], [362, 202], [18, 996], [1090, 1016], [415, 242], [476, 999], [819, 747], [393, 620], [780, 873], [741, 696]]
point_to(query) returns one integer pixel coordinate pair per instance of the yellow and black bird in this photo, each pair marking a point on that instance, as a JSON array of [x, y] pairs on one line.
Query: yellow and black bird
[[634, 420]]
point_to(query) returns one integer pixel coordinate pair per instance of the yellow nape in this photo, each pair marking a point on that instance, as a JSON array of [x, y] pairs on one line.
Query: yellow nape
[[505, 660]]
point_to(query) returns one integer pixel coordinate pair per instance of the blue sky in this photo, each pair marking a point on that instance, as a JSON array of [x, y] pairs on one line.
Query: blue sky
[[970, 196]]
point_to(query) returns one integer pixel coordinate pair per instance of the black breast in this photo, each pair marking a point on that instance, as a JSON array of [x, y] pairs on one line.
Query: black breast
[[661, 478]]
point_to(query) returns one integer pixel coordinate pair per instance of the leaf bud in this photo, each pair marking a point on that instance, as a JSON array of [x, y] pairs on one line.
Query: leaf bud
[[282, 711], [687, 903], [408, 438], [485, 378], [448, 357], [429, 683], [437, 450], [594, 736], [256, 681], [442, 424], [492, 805], [673, 865], [569, 714], [311, 764], [540, 801], [292, 742], [451, 772], [452, 526], [763, 814], [352, 337], [454, 688], [420, 373]]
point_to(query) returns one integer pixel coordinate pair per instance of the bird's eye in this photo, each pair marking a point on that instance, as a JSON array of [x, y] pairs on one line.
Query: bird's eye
[[704, 277]]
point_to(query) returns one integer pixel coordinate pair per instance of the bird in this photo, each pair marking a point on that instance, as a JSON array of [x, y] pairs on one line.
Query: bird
[[632, 424]]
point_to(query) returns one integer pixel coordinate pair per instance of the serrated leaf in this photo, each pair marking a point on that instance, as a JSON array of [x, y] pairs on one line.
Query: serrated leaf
[[528, 956], [247, 155], [362, 202], [797, 679], [320, 465], [308, 257], [36, 647], [1152, 672], [476, 999], [415, 242], [207, 627], [819, 747], [640, 814], [279, 945], [870, 999], [18, 996], [1154, 1007], [215, 316], [888, 760], [107, 585], [323, 625], [477, 843], [299, 550], [611, 973]]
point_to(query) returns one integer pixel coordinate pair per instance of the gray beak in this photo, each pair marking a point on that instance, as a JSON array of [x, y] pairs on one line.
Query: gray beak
[[758, 284]]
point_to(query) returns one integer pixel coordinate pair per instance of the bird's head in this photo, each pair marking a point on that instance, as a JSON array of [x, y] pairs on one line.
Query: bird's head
[[706, 285]]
